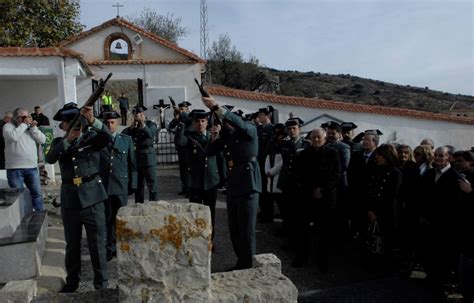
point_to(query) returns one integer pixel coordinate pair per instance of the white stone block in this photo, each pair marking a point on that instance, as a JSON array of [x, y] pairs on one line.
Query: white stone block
[[256, 285], [267, 260], [18, 291], [164, 252]]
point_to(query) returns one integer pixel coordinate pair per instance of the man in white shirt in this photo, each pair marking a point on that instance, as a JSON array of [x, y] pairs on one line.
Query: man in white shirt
[[21, 155]]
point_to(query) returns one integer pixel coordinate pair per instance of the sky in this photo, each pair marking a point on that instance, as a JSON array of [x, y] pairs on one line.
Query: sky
[[423, 43]]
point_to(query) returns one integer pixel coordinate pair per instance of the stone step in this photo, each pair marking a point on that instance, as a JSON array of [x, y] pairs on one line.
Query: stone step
[[13, 206], [21, 253]]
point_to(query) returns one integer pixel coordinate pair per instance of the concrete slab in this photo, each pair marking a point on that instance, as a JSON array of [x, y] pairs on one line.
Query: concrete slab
[[18, 291], [10, 211], [22, 253]]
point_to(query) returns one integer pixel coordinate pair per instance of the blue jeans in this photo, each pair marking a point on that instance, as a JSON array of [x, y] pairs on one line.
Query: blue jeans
[[29, 176]]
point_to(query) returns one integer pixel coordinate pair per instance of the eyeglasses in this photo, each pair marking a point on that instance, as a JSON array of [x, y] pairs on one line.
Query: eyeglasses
[[24, 117]]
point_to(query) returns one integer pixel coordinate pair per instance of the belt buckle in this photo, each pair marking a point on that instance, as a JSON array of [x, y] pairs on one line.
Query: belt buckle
[[77, 181], [230, 163]]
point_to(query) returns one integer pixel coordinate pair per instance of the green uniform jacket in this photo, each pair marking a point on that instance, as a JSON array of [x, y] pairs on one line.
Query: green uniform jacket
[[118, 167], [81, 159], [202, 172], [289, 150], [143, 140], [240, 149]]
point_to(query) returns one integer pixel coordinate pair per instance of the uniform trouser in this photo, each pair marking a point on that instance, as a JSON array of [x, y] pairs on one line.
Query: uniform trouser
[[206, 197], [123, 114], [242, 216], [112, 205], [93, 219], [182, 167], [322, 232], [265, 201], [146, 174], [291, 206]]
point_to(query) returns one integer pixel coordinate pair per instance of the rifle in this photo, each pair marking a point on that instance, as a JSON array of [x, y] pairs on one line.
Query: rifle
[[213, 119], [173, 104], [203, 92], [76, 122]]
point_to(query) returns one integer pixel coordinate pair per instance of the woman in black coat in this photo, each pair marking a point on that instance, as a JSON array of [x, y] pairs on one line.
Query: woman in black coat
[[382, 196], [409, 208]]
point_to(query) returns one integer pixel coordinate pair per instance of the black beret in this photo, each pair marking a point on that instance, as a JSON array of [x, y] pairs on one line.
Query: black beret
[[263, 110]]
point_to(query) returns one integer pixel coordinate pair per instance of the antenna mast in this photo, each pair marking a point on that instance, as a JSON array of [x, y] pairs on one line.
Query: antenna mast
[[205, 39]]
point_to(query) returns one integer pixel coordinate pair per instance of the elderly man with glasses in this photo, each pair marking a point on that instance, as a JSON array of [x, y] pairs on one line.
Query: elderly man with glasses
[[21, 157]]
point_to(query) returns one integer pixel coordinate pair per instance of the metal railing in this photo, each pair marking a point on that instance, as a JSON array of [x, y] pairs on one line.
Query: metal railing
[[165, 150]]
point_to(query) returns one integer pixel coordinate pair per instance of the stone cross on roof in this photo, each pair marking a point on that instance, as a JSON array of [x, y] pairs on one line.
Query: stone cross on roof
[[118, 6]]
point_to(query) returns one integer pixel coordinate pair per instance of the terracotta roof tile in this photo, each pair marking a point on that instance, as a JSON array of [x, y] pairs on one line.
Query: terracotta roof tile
[[122, 22], [335, 105], [38, 52], [122, 62]]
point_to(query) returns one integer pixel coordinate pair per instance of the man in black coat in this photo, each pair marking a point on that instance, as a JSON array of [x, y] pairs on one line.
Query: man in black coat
[[317, 171], [441, 218], [361, 166]]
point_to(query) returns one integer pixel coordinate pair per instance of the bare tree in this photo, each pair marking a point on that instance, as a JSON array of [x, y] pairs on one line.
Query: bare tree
[[167, 27]]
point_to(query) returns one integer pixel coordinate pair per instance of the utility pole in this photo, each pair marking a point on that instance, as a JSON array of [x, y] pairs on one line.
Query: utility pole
[[205, 39]]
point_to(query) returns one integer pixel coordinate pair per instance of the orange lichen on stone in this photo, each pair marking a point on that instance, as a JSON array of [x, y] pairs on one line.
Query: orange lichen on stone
[[125, 247], [124, 233], [171, 232], [174, 231], [209, 242]]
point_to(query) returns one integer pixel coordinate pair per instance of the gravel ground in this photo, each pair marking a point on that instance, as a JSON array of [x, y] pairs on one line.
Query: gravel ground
[[345, 281]]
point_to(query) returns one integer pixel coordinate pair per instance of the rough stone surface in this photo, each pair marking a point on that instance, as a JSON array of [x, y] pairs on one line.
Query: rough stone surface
[[164, 252], [269, 261], [254, 285], [18, 291]]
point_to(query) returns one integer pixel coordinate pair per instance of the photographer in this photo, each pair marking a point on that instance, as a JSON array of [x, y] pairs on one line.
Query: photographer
[[21, 136]]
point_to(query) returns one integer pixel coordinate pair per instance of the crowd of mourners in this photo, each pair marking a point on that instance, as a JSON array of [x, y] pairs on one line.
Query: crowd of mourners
[[411, 208]]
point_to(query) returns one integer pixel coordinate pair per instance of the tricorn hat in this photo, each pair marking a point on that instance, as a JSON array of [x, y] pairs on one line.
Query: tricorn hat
[[67, 113], [184, 104], [198, 114], [109, 115], [294, 121], [139, 109], [347, 126]]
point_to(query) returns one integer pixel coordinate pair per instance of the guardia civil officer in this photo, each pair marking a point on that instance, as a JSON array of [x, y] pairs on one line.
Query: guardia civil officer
[[119, 174], [264, 133], [82, 192], [239, 143], [181, 115], [202, 171], [290, 147], [143, 132]]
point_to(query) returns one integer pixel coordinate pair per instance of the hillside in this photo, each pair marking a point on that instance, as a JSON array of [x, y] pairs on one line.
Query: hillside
[[353, 89]]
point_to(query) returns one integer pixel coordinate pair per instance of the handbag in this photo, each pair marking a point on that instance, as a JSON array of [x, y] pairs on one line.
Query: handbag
[[374, 243]]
